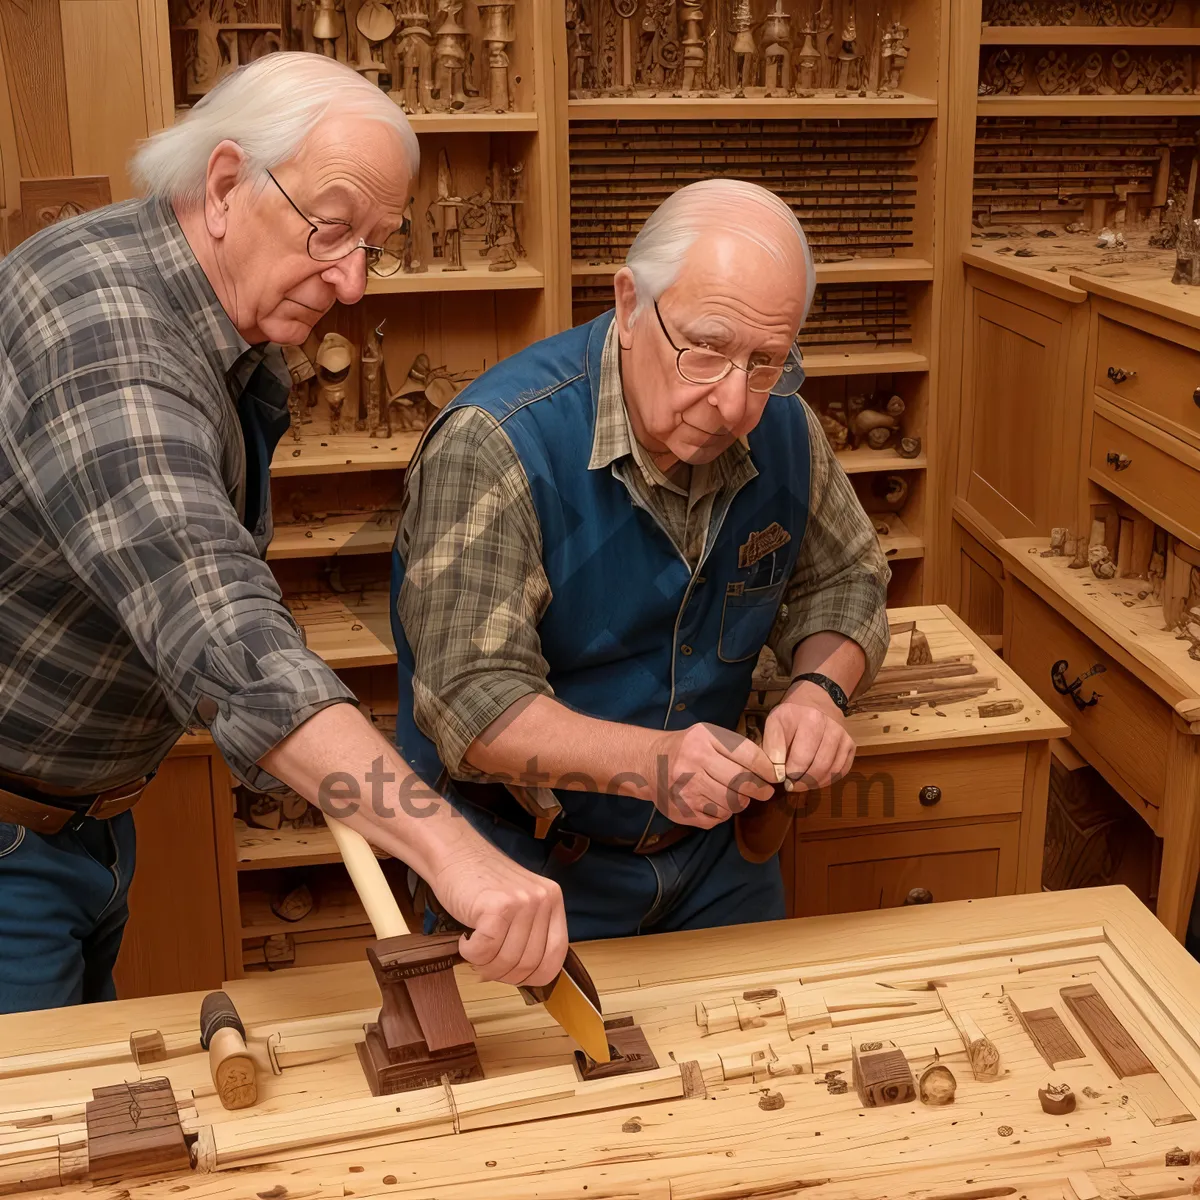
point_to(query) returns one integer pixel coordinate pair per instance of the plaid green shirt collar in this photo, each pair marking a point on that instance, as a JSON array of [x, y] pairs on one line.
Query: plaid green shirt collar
[[613, 438]]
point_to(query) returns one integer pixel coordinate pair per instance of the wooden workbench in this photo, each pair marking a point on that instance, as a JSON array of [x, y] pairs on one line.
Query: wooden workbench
[[766, 1011]]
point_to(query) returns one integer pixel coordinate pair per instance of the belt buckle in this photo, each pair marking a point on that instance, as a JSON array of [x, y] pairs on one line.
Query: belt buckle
[[106, 804]]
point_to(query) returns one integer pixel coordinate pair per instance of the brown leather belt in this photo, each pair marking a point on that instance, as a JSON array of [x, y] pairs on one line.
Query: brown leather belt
[[41, 817]]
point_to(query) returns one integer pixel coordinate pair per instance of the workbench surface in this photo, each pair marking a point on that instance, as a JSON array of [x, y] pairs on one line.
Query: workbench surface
[[768, 1012]]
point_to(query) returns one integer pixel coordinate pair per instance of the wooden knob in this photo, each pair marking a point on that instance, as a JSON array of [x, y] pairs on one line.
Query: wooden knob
[[1196, 397], [1117, 461], [929, 795], [918, 895], [1118, 375]]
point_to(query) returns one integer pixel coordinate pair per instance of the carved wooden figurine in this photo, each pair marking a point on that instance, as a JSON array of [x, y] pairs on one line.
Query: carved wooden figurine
[[503, 241], [451, 49], [895, 55], [849, 58], [450, 205], [335, 357], [625, 9], [744, 47], [691, 15], [422, 1033], [376, 23], [204, 52], [808, 62], [410, 261], [777, 49], [582, 74], [497, 20], [374, 376], [300, 397], [937, 1085], [329, 24], [412, 86]]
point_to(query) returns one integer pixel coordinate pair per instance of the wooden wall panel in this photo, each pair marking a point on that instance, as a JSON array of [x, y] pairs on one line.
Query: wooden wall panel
[[31, 42], [174, 940], [106, 95]]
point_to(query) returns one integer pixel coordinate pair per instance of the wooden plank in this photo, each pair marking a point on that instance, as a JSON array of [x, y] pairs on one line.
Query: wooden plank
[[1051, 1037], [1110, 1037], [106, 99], [31, 42]]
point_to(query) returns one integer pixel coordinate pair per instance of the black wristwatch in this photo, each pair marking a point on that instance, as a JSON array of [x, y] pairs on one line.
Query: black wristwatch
[[830, 685]]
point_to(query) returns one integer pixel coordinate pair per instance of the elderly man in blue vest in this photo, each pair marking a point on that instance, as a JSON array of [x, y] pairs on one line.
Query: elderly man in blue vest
[[599, 536]]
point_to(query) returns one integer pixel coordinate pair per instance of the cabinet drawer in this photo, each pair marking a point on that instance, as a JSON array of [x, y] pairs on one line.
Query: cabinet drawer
[[877, 870], [1159, 484], [977, 782], [1161, 380], [1128, 728]]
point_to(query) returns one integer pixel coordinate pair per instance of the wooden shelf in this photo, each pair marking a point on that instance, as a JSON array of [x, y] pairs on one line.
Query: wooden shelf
[[779, 108], [1089, 106], [317, 455], [900, 541], [858, 462], [259, 849], [1089, 35], [471, 279], [372, 533], [887, 360], [1134, 635], [337, 907], [347, 631], [474, 122], [859, 270]]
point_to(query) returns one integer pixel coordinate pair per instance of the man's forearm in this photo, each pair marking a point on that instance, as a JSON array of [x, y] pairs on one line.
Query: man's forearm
[[539, 742], [340, 762], [832, 654]]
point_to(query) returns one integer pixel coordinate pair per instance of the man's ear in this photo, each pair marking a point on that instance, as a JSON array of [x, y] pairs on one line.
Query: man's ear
[[625, 299], [225, 165]]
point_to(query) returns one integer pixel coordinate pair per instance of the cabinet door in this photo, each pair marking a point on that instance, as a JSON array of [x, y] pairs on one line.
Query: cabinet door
[[877, 870], [1021, 410], [174, 940]]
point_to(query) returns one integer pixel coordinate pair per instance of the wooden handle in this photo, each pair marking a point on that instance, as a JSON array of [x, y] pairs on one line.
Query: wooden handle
[[761, 827], [367, 876], [232, 1067]]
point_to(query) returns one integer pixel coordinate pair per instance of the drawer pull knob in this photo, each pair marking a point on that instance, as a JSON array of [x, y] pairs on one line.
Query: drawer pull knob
[[1058, 677], [1117, 375], [1118, 462], [929, 795], [918, 895], [1196, 397]]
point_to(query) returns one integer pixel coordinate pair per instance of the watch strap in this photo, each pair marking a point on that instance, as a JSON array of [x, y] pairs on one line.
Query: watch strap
[[831, 686]]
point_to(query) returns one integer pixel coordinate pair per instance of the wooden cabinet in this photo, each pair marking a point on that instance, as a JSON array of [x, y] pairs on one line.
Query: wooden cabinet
[[1021, 413], [940, 796], [877, 870], [175, 940]]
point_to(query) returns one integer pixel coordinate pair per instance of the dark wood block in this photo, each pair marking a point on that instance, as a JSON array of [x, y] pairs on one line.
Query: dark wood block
[[439, 1010], [134, 1128], [459, 1064], [882, 1075], [630, 1052], [1050, 1035], [1112, 1039]]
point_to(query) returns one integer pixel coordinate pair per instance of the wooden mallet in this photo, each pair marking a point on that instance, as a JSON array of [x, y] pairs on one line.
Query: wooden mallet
[[231, 1062]]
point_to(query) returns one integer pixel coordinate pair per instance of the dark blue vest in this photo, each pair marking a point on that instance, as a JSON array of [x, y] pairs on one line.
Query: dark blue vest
[[631, 633]]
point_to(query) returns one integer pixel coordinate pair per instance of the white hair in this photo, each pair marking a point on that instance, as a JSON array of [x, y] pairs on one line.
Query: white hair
[[660, 248], [268, 107]]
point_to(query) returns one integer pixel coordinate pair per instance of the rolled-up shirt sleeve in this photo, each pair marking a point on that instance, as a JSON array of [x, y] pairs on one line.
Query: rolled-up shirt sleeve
[[839, 582], [127, 479], [474, 586]]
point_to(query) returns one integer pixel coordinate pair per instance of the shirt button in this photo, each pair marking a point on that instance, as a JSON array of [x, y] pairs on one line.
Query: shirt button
[[699, 578], [685, 649], [680, 706]]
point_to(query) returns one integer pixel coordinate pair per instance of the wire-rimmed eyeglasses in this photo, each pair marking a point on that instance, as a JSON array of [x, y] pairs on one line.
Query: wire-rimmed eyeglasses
[[329, 241], [709, 366]]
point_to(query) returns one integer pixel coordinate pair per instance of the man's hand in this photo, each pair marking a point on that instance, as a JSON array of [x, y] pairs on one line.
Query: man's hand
[[518, 921], [711, 773], [806, 733]]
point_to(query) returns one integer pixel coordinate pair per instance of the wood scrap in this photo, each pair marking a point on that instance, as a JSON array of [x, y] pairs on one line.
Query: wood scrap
[[133, 1129]]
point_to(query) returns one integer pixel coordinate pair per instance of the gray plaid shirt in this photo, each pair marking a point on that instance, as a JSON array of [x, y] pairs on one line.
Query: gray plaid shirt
[[134, 602]]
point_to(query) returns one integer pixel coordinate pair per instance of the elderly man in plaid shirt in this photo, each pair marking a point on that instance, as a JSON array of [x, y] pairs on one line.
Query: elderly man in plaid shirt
[[599, 536], [142, 392]]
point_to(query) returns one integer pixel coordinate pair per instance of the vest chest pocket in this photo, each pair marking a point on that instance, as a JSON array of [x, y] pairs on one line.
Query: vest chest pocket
[[746, 620]]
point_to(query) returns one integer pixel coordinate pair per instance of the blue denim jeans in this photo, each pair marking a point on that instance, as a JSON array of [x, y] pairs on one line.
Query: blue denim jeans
[[63, 907], [698, 883]]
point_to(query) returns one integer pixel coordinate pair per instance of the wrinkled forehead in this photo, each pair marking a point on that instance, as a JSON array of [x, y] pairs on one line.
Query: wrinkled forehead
[[355, 160]]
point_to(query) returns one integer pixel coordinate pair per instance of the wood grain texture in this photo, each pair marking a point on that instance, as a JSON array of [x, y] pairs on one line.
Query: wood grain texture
[[31, 41], [1049, 1034], [174, 940], [1110, 1037], [106, 98]]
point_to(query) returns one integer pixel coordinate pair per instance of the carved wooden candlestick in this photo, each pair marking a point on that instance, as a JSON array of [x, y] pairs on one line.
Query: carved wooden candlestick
[[497, 20], [691, 13]]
